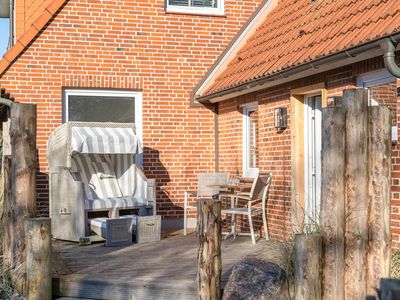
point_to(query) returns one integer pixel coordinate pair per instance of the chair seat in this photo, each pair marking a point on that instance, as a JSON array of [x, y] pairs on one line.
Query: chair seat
[[110, 203]]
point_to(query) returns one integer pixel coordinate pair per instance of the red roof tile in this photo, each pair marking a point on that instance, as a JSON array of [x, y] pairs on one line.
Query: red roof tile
[[299, 31], [12, 54]]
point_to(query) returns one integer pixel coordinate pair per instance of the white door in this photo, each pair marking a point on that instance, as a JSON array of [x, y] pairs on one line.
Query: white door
[[312, 160]]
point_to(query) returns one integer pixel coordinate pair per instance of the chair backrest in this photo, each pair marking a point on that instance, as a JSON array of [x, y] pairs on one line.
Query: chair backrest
[[208, 183], [260, 186], [98, 176], [125, 171]]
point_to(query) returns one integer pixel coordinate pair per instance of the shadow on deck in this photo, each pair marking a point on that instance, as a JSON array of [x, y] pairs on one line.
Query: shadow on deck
[[159, 270]]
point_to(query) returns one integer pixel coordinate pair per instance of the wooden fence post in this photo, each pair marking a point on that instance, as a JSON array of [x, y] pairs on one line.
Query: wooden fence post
[[379, 184], [6, 186], [209, 255], [23, 185], [308, 266], [38, 259], [6, 217], [355, 101], [332, 204]]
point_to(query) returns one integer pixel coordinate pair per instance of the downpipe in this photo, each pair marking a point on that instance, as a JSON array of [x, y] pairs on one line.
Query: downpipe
[[388, 47]]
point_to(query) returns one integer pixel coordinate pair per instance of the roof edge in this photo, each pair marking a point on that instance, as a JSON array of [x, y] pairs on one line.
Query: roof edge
[[251, 24], [26, 39], [287, 73]]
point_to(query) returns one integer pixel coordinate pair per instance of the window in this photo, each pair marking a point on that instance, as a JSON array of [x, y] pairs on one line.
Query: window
[[206, 7], [250, 140], [382, 87], [103, 106]]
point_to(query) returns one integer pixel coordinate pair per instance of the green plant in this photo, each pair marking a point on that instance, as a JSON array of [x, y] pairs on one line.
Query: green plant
[[6, 290], [395, 265], [304, 223]]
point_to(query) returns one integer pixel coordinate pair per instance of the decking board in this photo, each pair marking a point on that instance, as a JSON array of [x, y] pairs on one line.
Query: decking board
[[161, 270]]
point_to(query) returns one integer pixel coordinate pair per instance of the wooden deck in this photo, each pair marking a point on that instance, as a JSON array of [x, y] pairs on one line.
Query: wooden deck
[[159, 270]]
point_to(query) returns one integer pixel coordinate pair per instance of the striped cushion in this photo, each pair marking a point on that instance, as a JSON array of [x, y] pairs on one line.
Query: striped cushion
[[105, 182], [109, 203], [97, 175], [124, 166]]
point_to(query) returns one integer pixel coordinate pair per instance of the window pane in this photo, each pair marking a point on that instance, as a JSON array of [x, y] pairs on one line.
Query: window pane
[[195, 3], [101, 109], [179, 2], [253, 116]]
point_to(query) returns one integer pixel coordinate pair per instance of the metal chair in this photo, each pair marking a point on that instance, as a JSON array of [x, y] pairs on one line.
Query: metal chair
[[257, 195], [207, 187]]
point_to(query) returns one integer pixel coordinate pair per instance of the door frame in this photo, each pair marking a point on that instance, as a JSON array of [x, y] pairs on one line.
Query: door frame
[[297, 149]]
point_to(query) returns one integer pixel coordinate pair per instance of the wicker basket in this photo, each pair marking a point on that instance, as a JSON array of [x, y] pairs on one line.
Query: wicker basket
[[146, 229], [116, 232]]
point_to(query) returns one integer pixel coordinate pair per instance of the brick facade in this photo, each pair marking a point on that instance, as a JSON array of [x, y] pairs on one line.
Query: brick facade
[[274, 147], [135, 45], [131, 45]]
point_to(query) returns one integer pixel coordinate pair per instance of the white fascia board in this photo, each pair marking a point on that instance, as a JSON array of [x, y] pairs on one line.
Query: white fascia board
[[240, 40]]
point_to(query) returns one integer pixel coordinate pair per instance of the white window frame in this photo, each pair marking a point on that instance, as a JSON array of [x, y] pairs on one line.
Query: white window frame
[[377, 78], [217, 11], [110, 93], [246, 109]]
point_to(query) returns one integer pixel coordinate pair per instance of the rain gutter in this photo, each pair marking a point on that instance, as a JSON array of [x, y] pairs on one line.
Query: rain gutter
[[286, 74]]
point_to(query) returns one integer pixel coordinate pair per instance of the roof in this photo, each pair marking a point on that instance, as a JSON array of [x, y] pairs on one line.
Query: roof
[[34, 30], [296, 32]]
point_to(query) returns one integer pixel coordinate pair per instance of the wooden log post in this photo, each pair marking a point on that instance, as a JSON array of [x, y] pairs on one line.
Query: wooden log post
[[333, 202], [209, 255], [379, 239], [7, 215], [308, 266], [6, 192], [23, 185], [38, 259], [355, 101]]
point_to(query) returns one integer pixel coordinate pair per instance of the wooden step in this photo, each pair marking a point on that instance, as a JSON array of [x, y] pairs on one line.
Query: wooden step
[[68, 298], [82, 286]]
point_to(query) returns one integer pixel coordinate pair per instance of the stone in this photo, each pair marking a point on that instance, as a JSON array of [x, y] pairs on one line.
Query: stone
[[254, 278]]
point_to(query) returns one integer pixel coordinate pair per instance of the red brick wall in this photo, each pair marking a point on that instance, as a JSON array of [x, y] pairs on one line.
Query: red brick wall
[[275, 147], [386, 94], [132, 45], [395, 212]]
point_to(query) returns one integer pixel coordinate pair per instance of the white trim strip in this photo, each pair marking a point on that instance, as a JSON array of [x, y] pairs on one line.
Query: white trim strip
[[242, 38]]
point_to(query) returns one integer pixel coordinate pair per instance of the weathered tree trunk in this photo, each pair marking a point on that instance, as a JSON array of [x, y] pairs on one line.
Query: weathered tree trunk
[[23, 185], [332, 202], [308, 266], [209, 255], [38, 259], [379, 238], [355, 101], [7, 214]]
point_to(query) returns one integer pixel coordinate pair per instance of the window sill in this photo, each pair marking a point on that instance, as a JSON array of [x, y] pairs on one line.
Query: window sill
[[196, 12]]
